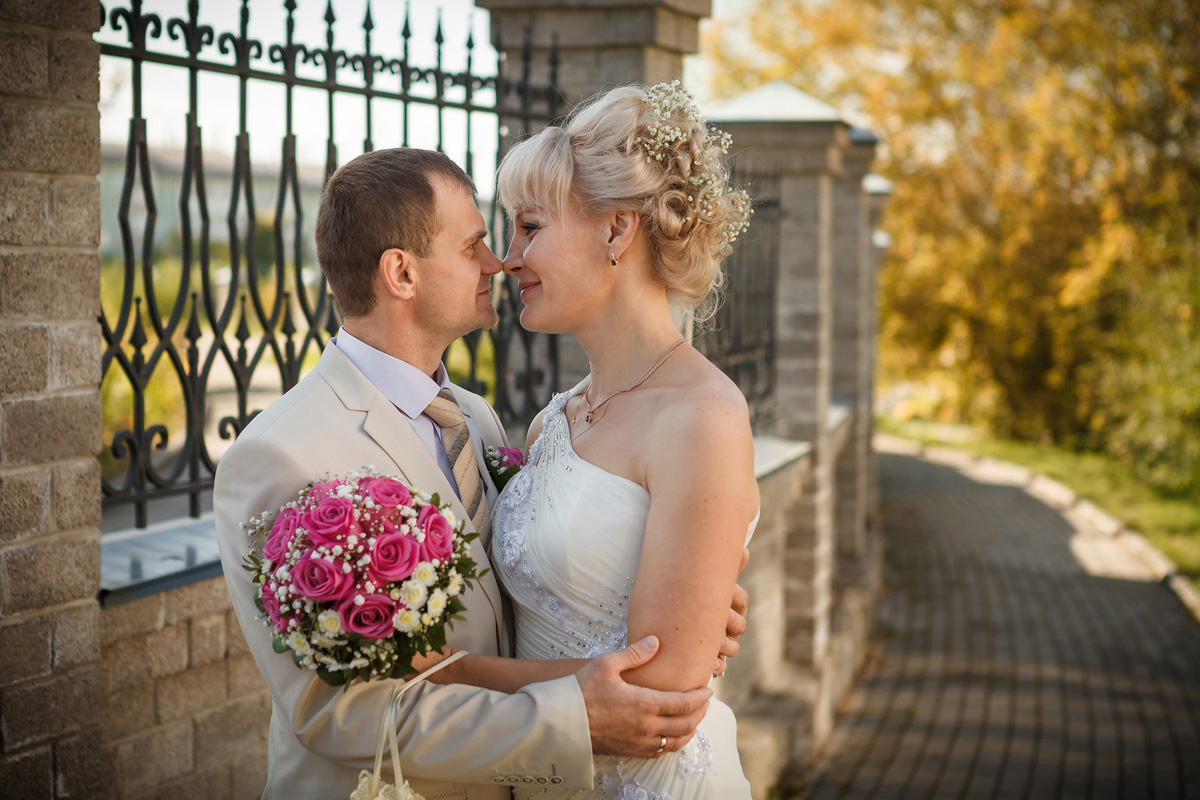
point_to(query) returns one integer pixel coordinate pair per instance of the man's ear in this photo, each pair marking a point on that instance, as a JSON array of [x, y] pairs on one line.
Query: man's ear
[[621, 227], [397, 273]]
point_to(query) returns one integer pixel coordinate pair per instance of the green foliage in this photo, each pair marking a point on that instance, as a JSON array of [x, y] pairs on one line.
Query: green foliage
[[1046, 206]]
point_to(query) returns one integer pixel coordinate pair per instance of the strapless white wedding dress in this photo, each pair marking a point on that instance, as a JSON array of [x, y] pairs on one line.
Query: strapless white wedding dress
[[566, 545]]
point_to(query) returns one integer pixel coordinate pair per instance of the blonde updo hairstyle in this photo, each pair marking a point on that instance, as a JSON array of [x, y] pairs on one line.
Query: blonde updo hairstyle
[[646, 150]]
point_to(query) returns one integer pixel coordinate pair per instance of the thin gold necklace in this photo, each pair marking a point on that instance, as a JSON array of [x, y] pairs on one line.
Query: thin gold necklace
[[591, 410]]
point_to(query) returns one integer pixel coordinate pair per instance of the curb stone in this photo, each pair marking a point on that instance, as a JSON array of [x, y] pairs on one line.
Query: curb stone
[[1057, 495]]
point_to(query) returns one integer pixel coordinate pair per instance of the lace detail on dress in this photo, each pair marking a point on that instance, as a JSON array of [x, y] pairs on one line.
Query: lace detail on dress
[[695, 757], [616, 639], [509, 544], [618, 787], [557, 403]]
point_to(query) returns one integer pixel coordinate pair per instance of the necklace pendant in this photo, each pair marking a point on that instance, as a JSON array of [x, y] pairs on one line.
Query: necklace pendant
[[589, 416]]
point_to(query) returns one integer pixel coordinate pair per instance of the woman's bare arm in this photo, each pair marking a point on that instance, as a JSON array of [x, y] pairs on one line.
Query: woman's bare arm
[[703, 494]]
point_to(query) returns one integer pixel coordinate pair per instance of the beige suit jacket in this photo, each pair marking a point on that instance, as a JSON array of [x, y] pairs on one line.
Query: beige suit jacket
[[455, 741]]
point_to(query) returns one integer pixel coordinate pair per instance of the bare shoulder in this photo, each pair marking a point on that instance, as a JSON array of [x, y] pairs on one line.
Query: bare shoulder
[[706, 412]]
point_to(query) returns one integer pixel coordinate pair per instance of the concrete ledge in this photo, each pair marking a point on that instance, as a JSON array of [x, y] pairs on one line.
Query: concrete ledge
[[773, 453]]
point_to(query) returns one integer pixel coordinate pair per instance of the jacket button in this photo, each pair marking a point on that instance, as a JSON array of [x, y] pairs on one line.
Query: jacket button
[[542, 779], [498, 779], [526, 779], [514, 779], [557, 779]]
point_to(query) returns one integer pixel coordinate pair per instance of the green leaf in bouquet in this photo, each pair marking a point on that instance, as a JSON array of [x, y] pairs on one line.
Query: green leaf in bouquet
[[437, 637], [455, 605], [258, 603], [340, 678], [278, 644], [436, 500], [485, 572]]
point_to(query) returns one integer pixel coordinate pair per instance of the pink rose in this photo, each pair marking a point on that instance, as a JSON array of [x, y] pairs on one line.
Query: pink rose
[[331, 521], [511, 457], [439, 537], [372, 619], [386, 492], [395, 557], [281, 534], [322, 489], [271, 605], [320, 580]]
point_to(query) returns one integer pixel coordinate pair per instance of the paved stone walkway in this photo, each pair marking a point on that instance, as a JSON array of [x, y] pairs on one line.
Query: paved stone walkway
[[1020, 655]]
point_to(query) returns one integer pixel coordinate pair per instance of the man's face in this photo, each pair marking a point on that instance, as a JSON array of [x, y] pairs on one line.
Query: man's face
[[455, 284]]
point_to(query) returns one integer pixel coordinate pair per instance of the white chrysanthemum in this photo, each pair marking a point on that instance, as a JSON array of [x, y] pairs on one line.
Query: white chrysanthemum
[[449, 515], [455, 586], [406, 620], [413, 593], [329, 623], [298, 643], [437, 603], [321, 640], [425, 573]]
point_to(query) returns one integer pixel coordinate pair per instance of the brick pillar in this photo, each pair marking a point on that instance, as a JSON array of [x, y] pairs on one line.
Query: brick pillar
[[879, 190], [780, 129], [852, 354], [50, 695], [601, 43]]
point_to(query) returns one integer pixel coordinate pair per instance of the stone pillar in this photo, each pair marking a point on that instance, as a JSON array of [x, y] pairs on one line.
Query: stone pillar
[[50, 684], [878, 190], [601, 43], [778, 129], [852, 355]]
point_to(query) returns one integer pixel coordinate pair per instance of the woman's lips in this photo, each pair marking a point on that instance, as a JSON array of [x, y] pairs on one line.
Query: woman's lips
[[524, 287]]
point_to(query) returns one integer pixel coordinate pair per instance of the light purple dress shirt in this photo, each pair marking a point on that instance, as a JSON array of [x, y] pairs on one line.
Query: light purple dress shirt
[[407, 388]]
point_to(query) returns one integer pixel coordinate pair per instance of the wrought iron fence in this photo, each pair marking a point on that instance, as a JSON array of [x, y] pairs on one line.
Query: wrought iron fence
[[219, 340], [740, 339]]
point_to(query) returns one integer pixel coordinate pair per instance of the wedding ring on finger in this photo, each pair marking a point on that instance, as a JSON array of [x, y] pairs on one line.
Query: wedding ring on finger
[[662, 745]]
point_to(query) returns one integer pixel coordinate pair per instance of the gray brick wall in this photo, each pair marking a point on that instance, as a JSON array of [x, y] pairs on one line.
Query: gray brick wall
[[51, 699]]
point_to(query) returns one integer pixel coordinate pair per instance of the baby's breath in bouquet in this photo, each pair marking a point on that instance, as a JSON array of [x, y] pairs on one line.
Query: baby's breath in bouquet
[[359, 575]]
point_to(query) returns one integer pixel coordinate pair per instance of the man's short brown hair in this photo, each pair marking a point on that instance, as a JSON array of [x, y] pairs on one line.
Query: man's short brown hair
[[380, 200]]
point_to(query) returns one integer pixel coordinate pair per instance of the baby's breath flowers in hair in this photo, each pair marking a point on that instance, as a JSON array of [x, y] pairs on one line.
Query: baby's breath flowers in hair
[[708, 181]]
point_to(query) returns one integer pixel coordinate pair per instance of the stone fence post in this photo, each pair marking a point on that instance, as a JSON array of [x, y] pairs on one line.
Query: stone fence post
[[852, 386], [50, 678], [601, 44], [779, 129]]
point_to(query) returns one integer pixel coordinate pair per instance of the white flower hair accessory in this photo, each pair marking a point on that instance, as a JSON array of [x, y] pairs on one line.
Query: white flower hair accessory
[[707, 180]]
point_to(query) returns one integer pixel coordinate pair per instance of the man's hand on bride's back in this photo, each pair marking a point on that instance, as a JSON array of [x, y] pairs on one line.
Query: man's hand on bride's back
[[629, 720]]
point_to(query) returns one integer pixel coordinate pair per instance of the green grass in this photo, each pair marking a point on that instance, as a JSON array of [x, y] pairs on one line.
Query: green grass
[[1171, 522]]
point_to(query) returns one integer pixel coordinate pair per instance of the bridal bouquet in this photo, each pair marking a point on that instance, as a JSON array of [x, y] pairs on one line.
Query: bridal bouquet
[[359, 575]]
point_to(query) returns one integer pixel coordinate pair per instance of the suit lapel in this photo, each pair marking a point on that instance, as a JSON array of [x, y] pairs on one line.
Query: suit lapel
[[389, 429]]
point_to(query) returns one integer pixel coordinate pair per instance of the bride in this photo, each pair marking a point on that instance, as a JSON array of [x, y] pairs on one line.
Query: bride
[[639, 495]]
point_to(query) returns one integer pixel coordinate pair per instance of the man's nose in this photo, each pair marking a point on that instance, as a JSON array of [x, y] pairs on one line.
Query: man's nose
[[492, 264]]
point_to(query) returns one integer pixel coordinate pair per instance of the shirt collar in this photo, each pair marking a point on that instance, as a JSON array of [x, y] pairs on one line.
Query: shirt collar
[[406, 387]]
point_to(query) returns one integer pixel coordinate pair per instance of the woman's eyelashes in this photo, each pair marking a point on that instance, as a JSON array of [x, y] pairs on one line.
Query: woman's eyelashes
[[530, 228]]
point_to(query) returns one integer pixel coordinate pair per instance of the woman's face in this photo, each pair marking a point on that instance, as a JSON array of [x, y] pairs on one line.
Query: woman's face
[[560, 263]]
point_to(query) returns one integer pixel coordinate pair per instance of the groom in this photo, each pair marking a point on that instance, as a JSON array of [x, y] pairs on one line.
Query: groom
[[402, 244]]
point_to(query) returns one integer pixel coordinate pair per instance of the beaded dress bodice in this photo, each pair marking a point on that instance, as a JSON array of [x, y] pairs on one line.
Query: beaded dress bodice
[[567, 542]]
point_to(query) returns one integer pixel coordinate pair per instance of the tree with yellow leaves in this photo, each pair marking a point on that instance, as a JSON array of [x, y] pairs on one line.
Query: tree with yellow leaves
[[1046, 161]]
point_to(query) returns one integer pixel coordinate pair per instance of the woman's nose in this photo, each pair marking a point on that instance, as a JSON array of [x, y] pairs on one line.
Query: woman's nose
[[513, 259]]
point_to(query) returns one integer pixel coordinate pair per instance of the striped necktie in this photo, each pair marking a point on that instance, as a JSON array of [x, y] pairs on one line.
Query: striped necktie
[[444, 411]]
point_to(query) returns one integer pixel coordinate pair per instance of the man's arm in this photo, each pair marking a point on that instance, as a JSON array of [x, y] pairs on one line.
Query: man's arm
[[462, 733]]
